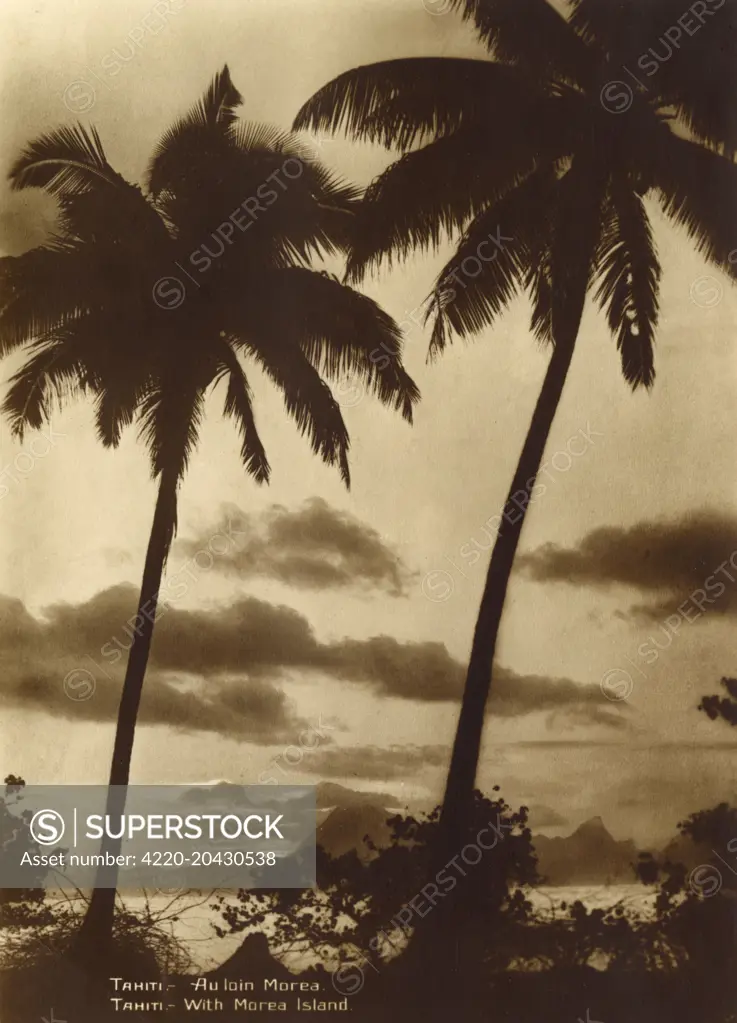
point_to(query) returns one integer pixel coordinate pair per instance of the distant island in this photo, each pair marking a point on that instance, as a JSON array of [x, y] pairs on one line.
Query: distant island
[[589, 855]]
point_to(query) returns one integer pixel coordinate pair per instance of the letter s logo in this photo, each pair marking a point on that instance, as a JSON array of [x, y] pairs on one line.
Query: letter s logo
[[47, 827]]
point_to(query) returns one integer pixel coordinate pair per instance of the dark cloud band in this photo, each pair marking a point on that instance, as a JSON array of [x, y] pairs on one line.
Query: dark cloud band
[[688, 563], [221, 669], [313, 547]]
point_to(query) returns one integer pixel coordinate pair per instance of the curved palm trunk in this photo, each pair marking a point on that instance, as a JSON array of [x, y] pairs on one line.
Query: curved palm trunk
[[575, 230], [93, 943], [446, 945], [466, 748]]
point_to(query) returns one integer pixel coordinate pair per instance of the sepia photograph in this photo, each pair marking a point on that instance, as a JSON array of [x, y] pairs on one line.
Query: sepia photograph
[[368, 511]]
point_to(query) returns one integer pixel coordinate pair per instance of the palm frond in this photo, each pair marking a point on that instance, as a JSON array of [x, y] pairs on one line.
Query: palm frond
[[697, 188], [307, 398], [305, 207], [540, 286], [96, 204], [687, 59], [218, 104], [262, 188], [170, 416], [399, 103], [123, 384], [257, 137], [65, 161], [239, 407], [192, 144], [124, 226], [492, 261], [432, 193], [629, 277], [343, 333], [106, 272], [40, 290], [55, 371], [617, 30], [532, 35]]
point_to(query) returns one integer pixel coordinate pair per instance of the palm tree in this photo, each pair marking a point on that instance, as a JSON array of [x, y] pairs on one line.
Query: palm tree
[[536, 161], [102, 311]]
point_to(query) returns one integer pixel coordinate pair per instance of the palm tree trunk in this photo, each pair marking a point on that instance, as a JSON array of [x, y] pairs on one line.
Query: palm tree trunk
[[575, 230], [447, 942], [467, 746], [93, 943], [446, 946]]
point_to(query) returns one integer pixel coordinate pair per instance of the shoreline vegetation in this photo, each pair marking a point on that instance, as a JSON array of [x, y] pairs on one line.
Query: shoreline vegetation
[[348, 946]]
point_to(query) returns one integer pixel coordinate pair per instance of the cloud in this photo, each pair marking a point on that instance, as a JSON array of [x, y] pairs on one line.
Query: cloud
[[313, 547], [410, 670], [375, 763], [546, 817], [329, 794], [674, 561], [514, 695], [55, 666], [240, 709], [219, 669], [426, 672]]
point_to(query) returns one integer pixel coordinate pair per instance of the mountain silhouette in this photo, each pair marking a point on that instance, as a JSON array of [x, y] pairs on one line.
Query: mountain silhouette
[[590, 855], [347, 827], [329, 794]]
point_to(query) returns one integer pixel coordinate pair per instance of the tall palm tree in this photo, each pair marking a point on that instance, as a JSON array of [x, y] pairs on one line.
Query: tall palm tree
[[540, 160], [102, 310]]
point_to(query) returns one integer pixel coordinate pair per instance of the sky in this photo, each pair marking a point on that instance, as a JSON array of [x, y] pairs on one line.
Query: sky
[[321, 635]]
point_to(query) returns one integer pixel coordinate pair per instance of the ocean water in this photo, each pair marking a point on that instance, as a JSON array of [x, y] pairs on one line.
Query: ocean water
[[190, 918], [636, 898], [194, 924]]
